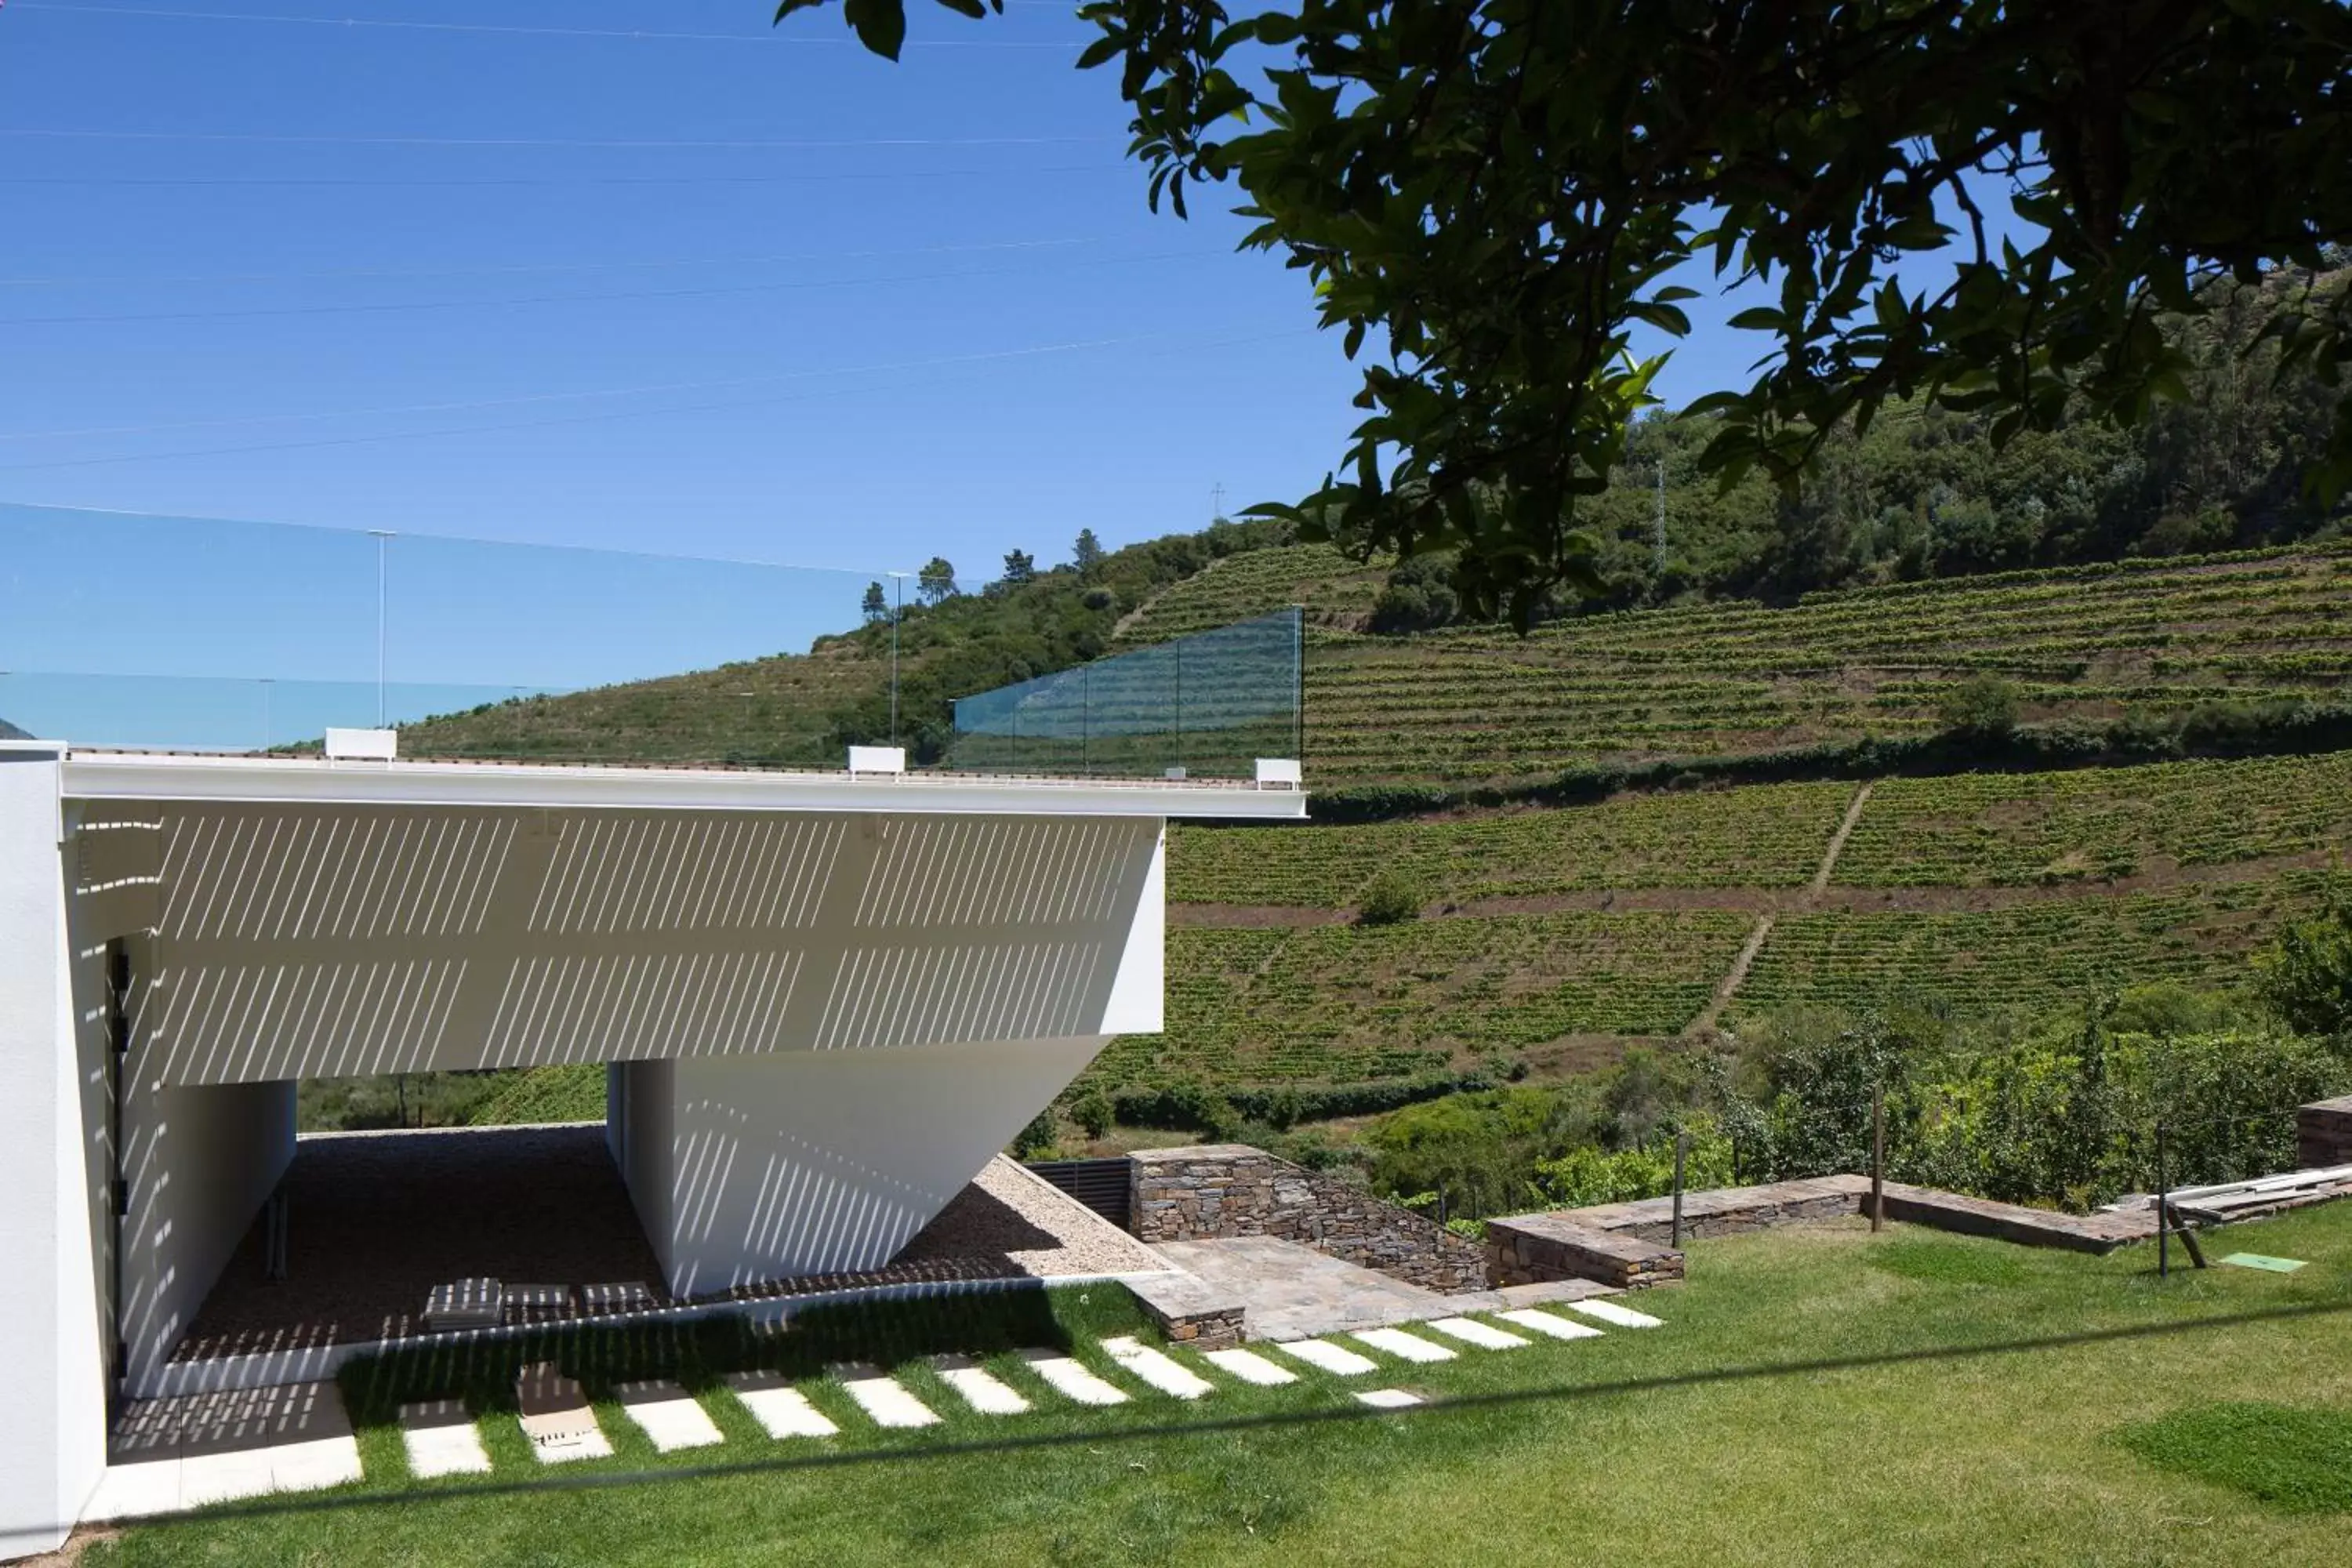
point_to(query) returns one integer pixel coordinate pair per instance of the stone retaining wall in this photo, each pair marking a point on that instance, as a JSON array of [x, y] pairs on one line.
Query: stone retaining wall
[[1232, 1189], [2323, 1134], [1530, 1249], [1189, 1311], [1731, 1211]]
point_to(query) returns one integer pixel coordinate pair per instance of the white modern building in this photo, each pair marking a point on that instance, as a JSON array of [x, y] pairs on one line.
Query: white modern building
[[826, 1000]]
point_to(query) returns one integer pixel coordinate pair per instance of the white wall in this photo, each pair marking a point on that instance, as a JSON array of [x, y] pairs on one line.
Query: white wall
[[324, 940], [202, 1161], [818, 1162], [52, 1382], [638, 1108]]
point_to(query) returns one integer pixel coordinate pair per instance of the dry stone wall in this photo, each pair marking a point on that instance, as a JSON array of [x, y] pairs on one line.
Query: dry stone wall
[[2323, 1134], [1232, 1189]]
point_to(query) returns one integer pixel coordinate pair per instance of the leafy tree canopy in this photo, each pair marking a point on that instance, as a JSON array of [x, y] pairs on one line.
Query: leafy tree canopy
[[1495, 194], [936, 584], [1019, 566]]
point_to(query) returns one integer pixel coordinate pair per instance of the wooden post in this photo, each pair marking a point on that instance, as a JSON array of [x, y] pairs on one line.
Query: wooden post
[[1681, 1139], [1877, 1157], [2163, 1219]]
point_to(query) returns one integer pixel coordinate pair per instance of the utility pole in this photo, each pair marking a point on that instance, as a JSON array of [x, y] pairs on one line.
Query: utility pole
[[898, 614], [1661, 527]]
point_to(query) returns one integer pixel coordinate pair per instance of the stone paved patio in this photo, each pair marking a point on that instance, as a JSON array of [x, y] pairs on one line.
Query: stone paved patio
[[1290, 1291]]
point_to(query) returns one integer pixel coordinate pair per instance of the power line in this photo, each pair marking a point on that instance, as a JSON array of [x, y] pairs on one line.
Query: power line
[[598, 419], [630, 35], [501, 269], [500, 182], [644, 390], [626, 143], [391, 307]]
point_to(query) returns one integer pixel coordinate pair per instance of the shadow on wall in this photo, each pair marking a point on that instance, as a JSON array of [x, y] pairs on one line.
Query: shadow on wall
[[328, 941]]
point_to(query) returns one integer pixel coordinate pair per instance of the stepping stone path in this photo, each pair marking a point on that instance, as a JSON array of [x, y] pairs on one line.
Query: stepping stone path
[[1331, 1358], [981, 1389], [556, 1417], [1404, 1346], [881, 1397], [1250, 1367], [781, 1410], [1611, 1313], [442, 1440], [1388, 1398], [667, 1414], [1160, 1370], [1486, 1336], [1072, 1379], [1549, 1323]]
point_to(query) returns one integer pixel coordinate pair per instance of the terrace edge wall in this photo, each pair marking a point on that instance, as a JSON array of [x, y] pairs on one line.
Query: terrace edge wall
[[53, 1444]]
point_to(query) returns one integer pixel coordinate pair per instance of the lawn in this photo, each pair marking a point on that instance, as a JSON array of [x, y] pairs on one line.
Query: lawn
[[1816, 1396]]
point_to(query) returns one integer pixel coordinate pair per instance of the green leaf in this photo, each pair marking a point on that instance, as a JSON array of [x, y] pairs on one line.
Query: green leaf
[[881, 25], [1758, 319]]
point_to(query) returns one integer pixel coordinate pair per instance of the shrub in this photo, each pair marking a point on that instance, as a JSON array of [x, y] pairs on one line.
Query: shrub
[[1391, 898], [1583, 1177], [2305, 977], [1039, 1139], [1094, 1112], [1982, 706]]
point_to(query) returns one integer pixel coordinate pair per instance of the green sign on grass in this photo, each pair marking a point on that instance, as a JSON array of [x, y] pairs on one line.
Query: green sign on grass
[[2256, 1260]]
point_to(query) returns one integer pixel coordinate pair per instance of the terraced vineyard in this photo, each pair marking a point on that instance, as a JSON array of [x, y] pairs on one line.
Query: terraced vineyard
[[1975, 894], [1482, 706], [1341, 1003], [1336, 589], [1769, 836], [1996, 829], [2027, 955]]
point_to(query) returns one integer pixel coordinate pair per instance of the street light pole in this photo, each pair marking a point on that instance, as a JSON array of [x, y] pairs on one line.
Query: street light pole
[[382, 601]]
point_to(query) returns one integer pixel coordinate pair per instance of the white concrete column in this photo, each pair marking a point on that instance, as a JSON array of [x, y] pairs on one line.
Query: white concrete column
[[53, 1376]]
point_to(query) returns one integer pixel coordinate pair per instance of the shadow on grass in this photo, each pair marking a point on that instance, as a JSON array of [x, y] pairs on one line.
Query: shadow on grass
[[698, 1352], [1095, 1436]]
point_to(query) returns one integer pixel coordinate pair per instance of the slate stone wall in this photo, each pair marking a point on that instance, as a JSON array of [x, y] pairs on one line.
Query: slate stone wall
[[2323, 1134], [1232, 1189]]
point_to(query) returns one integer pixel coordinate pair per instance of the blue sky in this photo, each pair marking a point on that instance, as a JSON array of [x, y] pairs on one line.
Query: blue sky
[[556, 274]]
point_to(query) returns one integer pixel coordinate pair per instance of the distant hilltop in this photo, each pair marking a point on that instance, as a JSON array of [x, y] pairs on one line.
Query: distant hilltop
[[10, 732]]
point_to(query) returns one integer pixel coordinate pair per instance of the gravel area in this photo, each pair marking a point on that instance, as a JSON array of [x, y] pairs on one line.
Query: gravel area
[[378, 1219], [1007, 1212]]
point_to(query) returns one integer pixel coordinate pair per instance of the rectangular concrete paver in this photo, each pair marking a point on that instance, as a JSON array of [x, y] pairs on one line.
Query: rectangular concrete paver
[[1611, 1313], [556, 1417], [781, 1410], [672, 1418], [880, 1397], [442, 1440], [1404, 1346], [1250, 1367], [1072, 1379], [1331, 1358], [1388, 1398], [981, 1388], [1158, 1368], [1486, 1336], [1550, 1323]]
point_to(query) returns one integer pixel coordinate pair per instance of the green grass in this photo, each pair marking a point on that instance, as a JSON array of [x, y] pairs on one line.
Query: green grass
[[2295, 1457], [1816, 1396]]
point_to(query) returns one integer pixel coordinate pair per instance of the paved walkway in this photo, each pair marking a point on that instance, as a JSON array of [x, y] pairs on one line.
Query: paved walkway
[[1291, 1291], [176, 1453]]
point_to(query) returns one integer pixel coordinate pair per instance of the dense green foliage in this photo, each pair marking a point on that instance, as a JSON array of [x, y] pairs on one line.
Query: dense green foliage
[[1498, 193], [2306, 977]]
